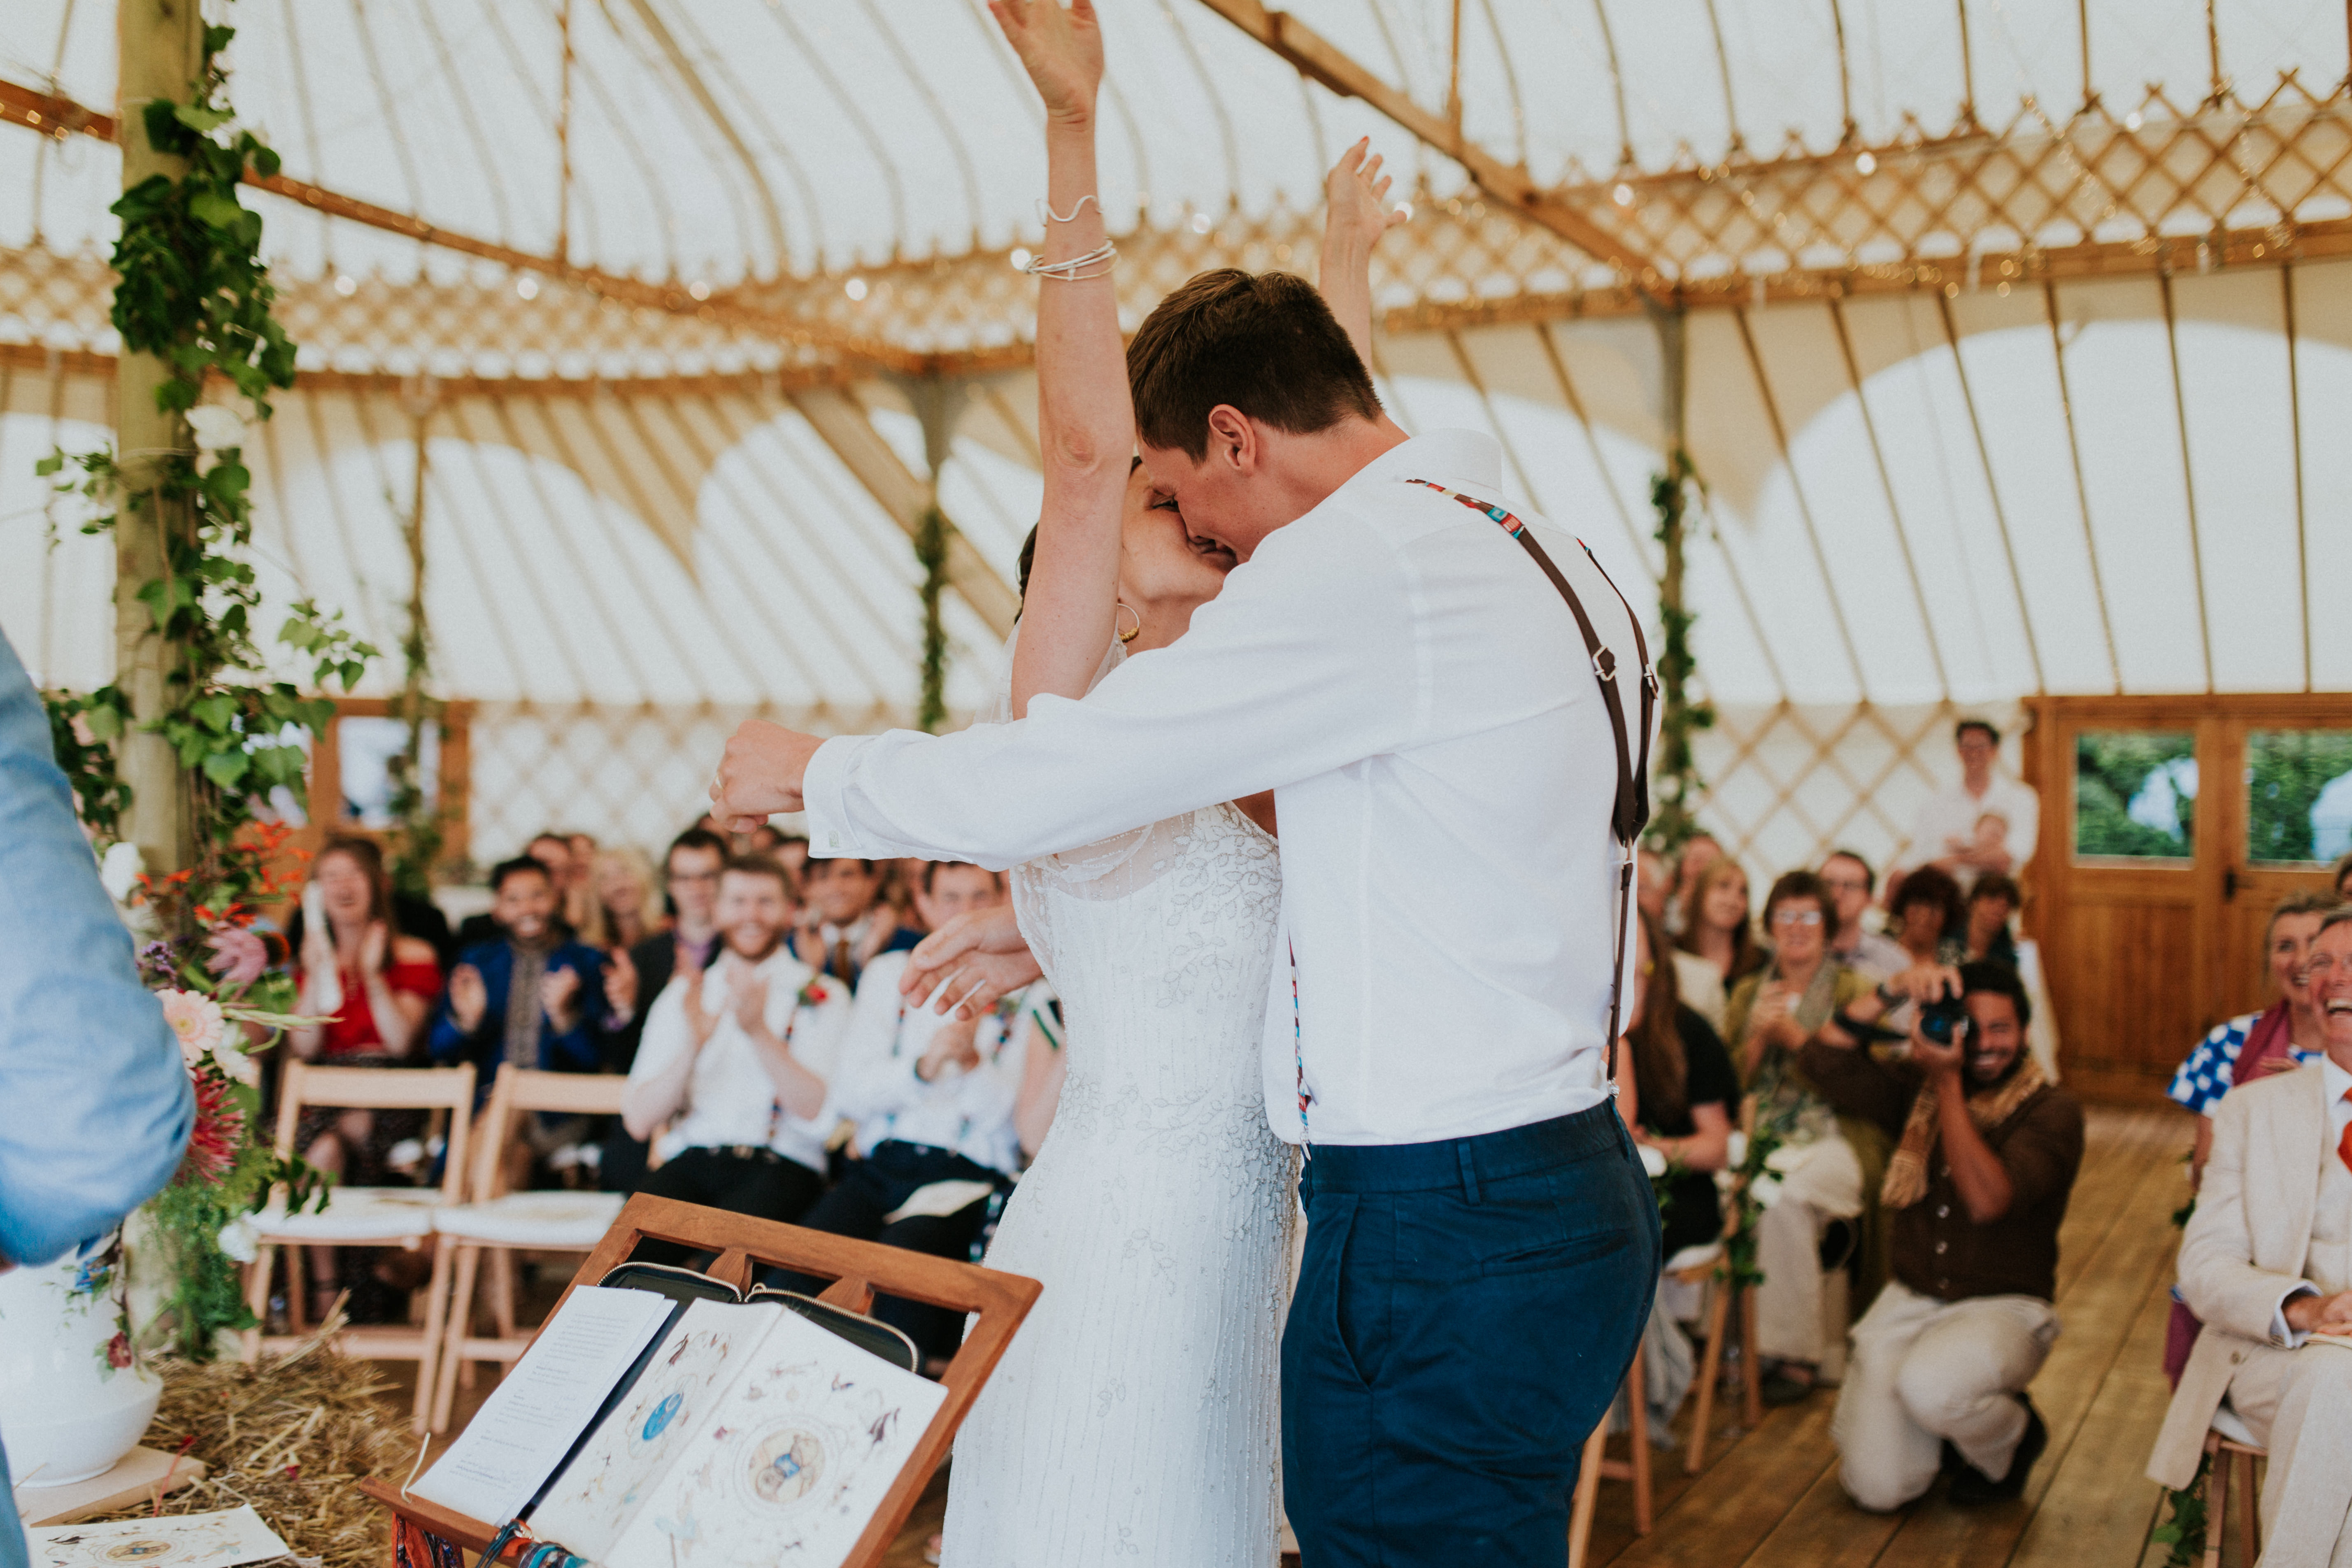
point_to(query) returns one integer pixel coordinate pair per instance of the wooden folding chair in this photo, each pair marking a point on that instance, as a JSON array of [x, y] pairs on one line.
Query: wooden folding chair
[[367, 1217], [1710, 1365], [499, 1224], [2229, 1447], [1596, 1466], [858, 1269]]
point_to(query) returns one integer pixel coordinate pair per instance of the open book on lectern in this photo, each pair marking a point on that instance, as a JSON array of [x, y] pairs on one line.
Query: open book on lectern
[[637, 1432]]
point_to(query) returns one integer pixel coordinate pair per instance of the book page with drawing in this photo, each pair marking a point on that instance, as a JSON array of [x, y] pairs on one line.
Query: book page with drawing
[[600, 1491], [791, 1462]]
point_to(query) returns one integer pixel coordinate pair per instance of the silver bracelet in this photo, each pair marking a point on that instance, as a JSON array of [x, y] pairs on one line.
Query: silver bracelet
[[1045, 209], [1095, 263]]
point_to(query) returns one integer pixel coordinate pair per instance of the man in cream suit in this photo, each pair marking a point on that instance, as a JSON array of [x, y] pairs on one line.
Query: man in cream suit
[[2267, 1263]]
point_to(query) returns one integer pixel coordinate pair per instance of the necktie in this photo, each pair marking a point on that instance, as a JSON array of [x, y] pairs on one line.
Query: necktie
[[841, 959], [2344, 1144]]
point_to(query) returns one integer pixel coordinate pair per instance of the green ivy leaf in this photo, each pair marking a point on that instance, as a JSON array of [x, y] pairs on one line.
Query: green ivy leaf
[[198, 118], [224, 768]]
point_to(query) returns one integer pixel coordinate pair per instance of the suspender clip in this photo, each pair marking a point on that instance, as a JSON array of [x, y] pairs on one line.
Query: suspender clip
[[1604, 663]]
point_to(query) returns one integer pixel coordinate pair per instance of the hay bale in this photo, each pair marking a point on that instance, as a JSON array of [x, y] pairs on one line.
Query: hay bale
[[291, 1435]]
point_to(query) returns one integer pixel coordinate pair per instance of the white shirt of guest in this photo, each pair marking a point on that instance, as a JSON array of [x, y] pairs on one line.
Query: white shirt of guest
[[1416, 693], [1952, 813], [730, 1099], [967, 1112]]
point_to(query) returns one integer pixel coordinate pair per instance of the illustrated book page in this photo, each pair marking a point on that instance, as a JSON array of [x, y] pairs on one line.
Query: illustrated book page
[[176, 1541], [607, 1481], [790, 1464]]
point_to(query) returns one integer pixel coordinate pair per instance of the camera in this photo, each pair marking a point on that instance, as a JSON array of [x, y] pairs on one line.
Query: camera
[[1945, 1021]]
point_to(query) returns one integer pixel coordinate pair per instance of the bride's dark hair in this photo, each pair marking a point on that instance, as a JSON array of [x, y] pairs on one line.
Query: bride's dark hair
[[1029, 545]]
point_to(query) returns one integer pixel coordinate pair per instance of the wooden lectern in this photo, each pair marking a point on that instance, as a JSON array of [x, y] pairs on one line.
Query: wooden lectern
[[858, 1269]]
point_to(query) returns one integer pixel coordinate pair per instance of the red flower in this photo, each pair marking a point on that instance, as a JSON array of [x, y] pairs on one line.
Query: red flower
[[220, 1129], [118, 1350]]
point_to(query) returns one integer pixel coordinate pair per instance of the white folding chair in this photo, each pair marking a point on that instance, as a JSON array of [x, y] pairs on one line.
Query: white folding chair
[[367, 1217], [499, 1224]]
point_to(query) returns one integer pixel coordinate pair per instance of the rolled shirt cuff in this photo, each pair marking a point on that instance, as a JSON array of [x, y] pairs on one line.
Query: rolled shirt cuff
[[2280, 1329], [823, 787]]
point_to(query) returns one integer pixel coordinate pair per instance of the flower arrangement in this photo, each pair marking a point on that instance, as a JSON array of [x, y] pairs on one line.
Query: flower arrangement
[[226, 987]]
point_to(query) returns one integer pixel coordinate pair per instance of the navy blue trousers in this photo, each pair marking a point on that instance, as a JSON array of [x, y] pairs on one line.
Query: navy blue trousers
[[1464, 1314]]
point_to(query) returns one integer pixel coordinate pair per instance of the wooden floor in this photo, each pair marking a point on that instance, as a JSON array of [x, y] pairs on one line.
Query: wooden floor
[[1770, 1497]]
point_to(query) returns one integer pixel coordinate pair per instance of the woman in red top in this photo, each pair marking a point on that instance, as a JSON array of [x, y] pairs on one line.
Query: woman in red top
[[387, 984]]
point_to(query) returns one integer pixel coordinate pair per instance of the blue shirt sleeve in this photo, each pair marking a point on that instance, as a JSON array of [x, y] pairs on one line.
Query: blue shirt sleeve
[[99, 1102], [2204, 1078], [574, 1049]]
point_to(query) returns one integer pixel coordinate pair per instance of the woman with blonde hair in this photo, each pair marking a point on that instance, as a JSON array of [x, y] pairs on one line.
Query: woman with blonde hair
[[1716, 927], [623, 909]]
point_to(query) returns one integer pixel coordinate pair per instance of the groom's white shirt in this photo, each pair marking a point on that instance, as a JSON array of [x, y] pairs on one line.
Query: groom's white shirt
[[1416, 693]]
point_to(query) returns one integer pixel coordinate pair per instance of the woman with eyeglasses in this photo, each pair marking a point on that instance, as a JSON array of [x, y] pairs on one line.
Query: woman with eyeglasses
[[1829, 1165]]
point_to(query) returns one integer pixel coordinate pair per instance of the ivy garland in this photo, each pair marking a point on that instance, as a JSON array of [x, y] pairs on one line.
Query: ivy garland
[[931, 551], [195, 293], [1677, 776]]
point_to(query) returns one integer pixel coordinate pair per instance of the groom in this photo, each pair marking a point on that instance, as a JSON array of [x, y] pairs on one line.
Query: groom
[[1482, 1244]]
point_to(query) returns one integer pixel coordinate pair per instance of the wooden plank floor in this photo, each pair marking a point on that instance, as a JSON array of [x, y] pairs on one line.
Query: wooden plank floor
[[1770, 1498]]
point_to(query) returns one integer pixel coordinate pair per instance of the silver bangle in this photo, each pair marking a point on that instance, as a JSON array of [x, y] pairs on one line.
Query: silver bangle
[[1095, 263], [1045, 209]]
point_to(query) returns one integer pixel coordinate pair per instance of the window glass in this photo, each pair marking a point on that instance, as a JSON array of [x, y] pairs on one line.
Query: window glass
[[2135, 794], [369, 750], [2298, 795]]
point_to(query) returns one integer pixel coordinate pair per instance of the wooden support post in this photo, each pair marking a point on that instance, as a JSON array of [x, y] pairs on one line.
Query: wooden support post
[[159, 46]]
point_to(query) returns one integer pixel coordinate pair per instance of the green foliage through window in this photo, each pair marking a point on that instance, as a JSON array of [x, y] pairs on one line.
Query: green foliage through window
[[2135, 793], [2298, 795]]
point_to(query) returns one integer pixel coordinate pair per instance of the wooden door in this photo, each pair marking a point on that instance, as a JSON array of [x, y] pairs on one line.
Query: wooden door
[[2158, 864]]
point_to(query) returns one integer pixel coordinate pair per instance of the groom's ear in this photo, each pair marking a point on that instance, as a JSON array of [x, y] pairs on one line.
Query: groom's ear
[[1233, 440]]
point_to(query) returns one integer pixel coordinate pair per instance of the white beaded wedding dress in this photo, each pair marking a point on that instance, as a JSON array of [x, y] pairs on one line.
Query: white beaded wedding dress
[[1136, 1418]]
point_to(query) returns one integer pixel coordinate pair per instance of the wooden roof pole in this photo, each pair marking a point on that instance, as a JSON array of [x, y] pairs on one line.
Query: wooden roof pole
[[1312, 55], [841, 423], [52, 115]]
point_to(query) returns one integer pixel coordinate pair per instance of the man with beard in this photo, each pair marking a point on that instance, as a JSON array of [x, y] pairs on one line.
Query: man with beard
[[1979, 1186], [741, 1055], [2267, 1263]]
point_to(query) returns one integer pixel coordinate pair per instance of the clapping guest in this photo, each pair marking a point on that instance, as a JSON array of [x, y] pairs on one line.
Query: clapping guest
[[373, 985], [933, 1100], [552, 850], [737, 1063], [847, 925], [526, 999], [1849, 881], [1699, 851], [634, 976], [1833, 1162], [625, 912]]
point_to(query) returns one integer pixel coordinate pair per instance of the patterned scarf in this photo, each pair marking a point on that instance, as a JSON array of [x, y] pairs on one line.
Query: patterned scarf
[[1906, 1173]]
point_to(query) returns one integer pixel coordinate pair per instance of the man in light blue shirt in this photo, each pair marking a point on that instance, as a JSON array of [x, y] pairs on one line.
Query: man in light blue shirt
[[99, 1104]]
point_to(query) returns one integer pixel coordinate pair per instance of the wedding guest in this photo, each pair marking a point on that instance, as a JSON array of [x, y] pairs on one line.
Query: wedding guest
[[933, 1099], [793, 854], [1718, 929], [1687, 1093], [1992, 907], [847, 925], [1927, 917], [1834, 1161], [80, 1039], [1978, 1189], [1850, 882], [2339, 876], [525, 998], [1944, 835], [737, 1063], [1699, 851], [2288, 1034], [626, 910], [633, 976], [2266, 1262], [554, 852], [374, 985]]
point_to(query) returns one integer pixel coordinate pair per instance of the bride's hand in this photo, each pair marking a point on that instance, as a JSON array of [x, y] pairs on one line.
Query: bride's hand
[[1357, 209], [1061, 50], [970, 963]]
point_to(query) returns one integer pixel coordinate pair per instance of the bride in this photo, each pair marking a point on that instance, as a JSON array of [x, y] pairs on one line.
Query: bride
[[1136, 1414]]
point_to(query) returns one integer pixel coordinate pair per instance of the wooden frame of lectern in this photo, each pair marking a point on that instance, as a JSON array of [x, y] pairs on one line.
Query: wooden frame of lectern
[[859, 1270]]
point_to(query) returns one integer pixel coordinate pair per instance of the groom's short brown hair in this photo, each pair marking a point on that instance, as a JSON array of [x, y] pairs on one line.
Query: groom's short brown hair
[[1267, 344]]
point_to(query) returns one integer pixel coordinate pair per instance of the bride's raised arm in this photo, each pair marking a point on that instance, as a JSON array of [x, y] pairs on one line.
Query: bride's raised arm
[[1356, 213], [1086, 420]]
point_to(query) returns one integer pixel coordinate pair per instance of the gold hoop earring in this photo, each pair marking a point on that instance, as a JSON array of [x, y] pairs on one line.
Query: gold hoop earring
[[1119, 604]]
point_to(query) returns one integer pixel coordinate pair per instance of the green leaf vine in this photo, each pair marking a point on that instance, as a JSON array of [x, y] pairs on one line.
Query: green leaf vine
[[931, 552], [1677, 781]]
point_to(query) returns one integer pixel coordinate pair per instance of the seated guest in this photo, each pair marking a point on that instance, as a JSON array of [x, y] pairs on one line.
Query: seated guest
[[1850, 882], [525, 998], [2286, 1035], [1699, 851], [554, 852], [1653, 883], [2267, 1263], [622, 912], [933, 1100], [1834, 1161], [792, 853], [374, 984], [1718, 931], [741, 1055], [1978, 1189], [634, 975], [847, 925], [1926, 918], [1687, 1093]]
